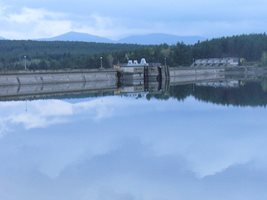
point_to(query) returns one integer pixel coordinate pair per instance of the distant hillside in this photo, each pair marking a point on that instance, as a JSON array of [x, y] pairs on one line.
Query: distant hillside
[[79, 37], [1, 38], [57, 54], [159, 38], [61, 54], [17, 48], [150, 39]]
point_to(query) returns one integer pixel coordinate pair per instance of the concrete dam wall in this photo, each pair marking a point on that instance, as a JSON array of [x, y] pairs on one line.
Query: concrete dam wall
[[111, 75], [41, 84], [188, 75], [56, 77], [60, 89], [176, 72]]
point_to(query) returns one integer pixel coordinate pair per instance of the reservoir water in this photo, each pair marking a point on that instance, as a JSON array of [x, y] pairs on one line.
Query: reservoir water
[[194, 141]]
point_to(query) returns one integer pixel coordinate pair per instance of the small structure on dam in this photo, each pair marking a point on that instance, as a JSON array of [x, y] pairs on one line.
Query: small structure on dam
[[136, 72], [133, 64], [216, 62]]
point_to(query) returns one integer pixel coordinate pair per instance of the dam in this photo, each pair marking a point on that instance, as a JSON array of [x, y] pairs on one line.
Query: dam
[[26, 77], [129, 78], [19, 85]]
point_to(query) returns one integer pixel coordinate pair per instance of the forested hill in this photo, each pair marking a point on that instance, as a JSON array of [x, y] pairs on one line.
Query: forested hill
[[56, 54], [253, 48], [14, 48], [59, 55], [249, 47]]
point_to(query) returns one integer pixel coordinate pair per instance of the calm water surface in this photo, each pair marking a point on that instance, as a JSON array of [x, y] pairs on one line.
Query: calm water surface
[[196, 141]]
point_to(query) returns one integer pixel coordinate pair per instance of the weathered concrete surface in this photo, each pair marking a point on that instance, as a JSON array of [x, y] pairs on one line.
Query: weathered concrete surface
[[49, 77], [190, 75], [41, 84], [69, 76], [181, 80], [44, 90], [175, 72]]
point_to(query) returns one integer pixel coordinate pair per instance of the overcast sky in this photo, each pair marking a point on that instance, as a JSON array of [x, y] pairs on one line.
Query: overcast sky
[[24, 19]]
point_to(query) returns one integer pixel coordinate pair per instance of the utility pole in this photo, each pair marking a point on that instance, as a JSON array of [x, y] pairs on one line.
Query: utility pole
[[25, 62], [165, 61]]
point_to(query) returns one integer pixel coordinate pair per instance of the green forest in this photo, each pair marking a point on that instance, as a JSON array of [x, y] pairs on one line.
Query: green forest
[[84, 55]]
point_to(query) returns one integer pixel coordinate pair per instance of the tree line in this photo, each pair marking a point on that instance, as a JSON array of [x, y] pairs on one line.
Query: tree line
[[71, 55]]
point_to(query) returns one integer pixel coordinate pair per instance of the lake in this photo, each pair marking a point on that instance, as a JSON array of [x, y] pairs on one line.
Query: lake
[[203, 140]]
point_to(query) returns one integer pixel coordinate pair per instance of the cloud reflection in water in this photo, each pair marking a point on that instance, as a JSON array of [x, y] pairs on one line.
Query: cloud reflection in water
[[123, 148]]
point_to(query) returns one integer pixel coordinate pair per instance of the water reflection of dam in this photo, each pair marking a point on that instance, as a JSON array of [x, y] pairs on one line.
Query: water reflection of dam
[[99, 88], [100, 85]]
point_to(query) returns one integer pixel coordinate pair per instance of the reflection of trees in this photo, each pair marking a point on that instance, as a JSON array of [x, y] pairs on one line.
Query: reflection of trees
[[264, 85], [178, 92], [248, 94], [264, 59], [251, 94], [181, 92]]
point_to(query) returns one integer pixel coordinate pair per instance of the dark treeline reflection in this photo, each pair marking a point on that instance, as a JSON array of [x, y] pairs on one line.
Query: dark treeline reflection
[[245, 94]]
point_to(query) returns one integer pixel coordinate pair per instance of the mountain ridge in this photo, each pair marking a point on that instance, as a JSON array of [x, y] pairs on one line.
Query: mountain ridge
[[160, 38], [79, 37], [148, 39]]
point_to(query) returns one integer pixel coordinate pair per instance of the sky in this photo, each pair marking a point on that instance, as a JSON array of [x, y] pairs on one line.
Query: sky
[[31, 19]]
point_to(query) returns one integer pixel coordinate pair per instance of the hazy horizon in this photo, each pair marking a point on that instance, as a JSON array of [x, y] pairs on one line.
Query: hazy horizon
[[109, 38]]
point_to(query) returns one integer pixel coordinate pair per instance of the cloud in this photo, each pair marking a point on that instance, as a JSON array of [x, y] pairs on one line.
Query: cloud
[[29, 15], [115, 19], [36, 23], [41, 114], [3, 128], [31, 23]]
